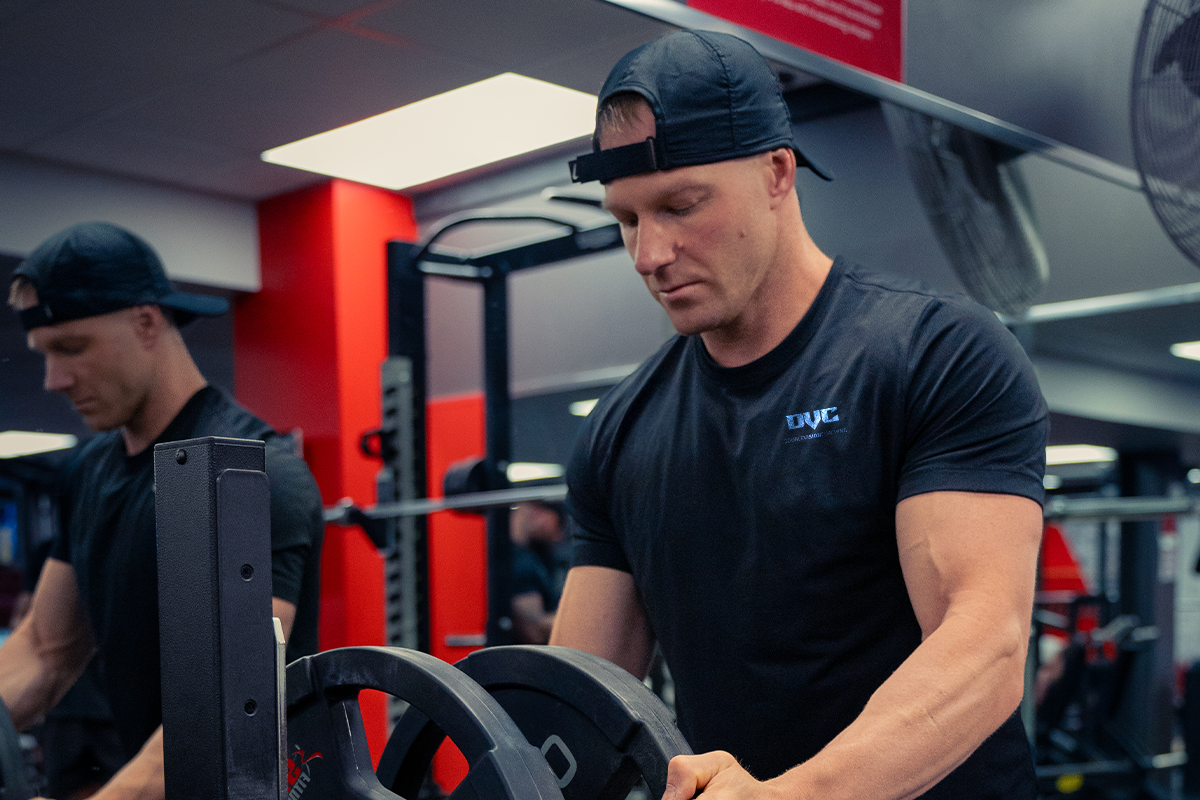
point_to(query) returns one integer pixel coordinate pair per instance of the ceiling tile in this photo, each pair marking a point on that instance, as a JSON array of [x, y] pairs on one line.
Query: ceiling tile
[[176, 161], [510, 35], [75, 58], [313, 84], [324, 8], [585, 68], [15, 8]]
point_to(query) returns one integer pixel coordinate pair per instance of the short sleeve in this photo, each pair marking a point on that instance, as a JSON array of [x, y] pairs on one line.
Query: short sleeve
[[975, 417], [593, 538], [296, 518]]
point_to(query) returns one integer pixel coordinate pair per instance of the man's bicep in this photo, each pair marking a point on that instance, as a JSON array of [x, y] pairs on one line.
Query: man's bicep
[[968, 551], [601, 613]]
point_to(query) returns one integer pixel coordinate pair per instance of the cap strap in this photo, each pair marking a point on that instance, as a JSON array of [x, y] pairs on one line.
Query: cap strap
[[36, 317], [616, 162]]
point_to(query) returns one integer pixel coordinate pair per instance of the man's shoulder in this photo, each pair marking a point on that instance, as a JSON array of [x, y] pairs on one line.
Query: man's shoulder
[[649, 377], [221, 415], [883, 303], [93, 455]]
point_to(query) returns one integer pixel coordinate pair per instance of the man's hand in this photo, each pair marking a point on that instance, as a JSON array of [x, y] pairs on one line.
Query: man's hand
[[718, 775]]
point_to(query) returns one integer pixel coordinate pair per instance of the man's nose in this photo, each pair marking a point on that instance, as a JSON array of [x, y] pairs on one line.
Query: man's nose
[[58, 379], [654, 247]]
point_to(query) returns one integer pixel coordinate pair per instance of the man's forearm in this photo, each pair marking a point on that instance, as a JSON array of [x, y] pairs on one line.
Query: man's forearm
[[32, 679], [955, 689], [141, 778]]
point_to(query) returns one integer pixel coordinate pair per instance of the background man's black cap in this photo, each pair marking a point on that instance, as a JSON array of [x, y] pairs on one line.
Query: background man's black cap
[[97, 268], [714, 98]]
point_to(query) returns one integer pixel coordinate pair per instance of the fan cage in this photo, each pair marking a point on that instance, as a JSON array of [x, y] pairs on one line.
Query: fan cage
[[979, 208], [1165, 118]]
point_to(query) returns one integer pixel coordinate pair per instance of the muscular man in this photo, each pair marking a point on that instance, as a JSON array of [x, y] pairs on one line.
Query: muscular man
[[97, 305], [821, 499]]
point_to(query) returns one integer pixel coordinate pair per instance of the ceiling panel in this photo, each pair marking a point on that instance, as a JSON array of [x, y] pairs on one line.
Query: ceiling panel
[[513, 35], [176, 161], [327, 8], [314, 83], [586, 66], [77, 58]]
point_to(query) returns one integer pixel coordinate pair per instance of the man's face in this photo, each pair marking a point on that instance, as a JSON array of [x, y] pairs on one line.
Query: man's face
[[700, 237], [99, 363]]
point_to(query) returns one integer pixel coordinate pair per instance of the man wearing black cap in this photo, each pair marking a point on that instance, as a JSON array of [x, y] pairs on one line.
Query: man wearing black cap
[[821, 499], [96, 303]]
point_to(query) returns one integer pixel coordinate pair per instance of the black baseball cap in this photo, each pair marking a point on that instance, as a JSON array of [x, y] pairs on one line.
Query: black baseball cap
[[96, 268], [714, 98]]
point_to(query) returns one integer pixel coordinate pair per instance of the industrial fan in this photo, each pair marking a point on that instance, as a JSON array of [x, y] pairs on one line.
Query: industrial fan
[[1165, 118], [979, 207]]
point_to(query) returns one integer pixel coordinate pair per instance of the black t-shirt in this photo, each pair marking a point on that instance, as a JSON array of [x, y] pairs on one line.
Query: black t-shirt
[[755, 508], [108, 536]]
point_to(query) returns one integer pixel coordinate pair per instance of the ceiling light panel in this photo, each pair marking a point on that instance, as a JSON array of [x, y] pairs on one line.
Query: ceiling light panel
[[14, 444], [482, 123], [1079, 454], [1186, 350]]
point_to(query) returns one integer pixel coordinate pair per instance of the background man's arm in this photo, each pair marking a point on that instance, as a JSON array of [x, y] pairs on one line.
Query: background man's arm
[[142, 777], [49, 650], [600, 612], [970, 563]]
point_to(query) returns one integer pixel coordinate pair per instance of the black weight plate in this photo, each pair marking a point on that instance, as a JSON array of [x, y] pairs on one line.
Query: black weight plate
[[327, 749], [14, 783], [599, 728]]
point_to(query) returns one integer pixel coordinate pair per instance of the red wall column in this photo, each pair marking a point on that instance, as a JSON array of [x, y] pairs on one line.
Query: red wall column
[[307, 351]]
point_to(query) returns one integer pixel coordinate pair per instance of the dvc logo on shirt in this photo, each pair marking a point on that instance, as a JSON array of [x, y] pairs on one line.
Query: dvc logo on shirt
[[812, 418]]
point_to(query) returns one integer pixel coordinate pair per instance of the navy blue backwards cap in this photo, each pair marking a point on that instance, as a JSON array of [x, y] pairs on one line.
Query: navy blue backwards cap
[[97, 268], [714, 98]]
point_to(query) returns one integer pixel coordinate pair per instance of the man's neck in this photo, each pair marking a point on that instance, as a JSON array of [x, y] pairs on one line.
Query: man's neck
[[178, 383], [783, 304]]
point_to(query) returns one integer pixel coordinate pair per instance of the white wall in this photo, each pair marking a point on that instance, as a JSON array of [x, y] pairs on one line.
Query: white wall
[[201, 239]]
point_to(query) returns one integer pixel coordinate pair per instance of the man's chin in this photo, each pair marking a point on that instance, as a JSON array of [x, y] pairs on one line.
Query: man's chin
[[99, 424]]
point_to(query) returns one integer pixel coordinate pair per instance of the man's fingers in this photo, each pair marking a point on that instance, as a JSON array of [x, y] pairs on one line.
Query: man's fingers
[[688, 775]]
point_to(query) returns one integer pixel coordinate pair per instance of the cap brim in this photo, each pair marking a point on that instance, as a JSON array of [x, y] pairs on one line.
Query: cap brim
[[200, 305], [804, 161]]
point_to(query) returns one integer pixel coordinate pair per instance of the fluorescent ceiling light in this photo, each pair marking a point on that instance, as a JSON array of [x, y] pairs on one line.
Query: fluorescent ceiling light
[[1186, 350], [1052, 482], [1193, 476], [1078, 454], [581, 408], [468, 127], [14, 444], [529, 471]]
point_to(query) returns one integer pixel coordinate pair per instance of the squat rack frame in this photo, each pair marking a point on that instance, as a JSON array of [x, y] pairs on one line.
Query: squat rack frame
[[578, 229]]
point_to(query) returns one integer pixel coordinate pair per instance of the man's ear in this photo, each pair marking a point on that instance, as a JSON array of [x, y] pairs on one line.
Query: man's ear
[[782, 175], [148, 324]]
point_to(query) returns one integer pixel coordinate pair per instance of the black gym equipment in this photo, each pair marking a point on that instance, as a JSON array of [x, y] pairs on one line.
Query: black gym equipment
[[551, 723], [599, 728], [571, 227], [327, 743], [14, 783]]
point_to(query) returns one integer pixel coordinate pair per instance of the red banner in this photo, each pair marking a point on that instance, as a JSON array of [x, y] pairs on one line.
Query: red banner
[[868, 34]]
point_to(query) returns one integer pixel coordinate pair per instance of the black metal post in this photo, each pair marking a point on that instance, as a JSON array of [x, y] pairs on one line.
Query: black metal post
[[221, 724], [404, 476], [497, 407], [1147, 587]]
